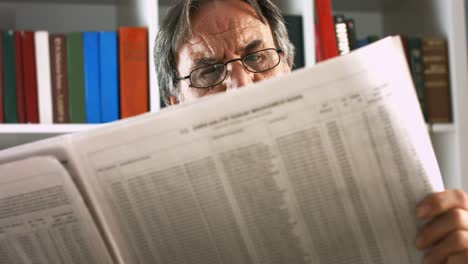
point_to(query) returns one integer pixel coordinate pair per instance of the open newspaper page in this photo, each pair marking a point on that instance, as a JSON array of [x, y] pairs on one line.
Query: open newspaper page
[[43, 220], [325, 165]]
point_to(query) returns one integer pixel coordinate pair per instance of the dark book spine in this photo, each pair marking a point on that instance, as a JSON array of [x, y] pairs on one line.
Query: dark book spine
[[417, 70], [1, 79], [372, 38], [30, 79], [75, 72], [436, 80], [58, 69], [9, 79], [294, 28], [351, 28], [404, 43], [19, 77]]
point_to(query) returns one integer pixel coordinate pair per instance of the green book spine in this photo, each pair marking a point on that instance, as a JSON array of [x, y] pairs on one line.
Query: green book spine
[[9, 77], [417, 70], [75, 71]]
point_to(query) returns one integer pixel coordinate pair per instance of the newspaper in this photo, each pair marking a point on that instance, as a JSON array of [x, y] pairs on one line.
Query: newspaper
[[325, 165], [43, 219]]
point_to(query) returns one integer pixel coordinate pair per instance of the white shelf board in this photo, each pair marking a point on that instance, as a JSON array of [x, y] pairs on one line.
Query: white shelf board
[[441, 128], [44, 129]]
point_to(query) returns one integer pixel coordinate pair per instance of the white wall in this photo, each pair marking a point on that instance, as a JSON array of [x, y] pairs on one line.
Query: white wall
[[57, 17]]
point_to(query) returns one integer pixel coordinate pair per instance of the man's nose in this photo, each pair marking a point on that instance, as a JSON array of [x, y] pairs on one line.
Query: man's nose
[[238, 76]]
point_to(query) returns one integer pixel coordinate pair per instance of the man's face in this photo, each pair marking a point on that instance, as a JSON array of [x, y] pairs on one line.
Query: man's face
[[222, 31]]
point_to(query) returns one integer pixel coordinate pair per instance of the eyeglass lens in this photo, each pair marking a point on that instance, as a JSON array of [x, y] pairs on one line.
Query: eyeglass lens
[[213, 75]]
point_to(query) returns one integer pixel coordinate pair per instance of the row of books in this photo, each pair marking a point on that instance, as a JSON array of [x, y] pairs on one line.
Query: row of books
[[427, 59], [76, 77]]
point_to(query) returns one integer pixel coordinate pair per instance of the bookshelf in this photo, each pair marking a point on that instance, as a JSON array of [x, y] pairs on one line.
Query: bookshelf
[[420, 18], [68, 16], [382, 17]]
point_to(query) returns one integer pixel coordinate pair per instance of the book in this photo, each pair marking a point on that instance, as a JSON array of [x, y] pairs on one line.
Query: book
[[1, 80], [352, 35], [417, 69], [326, 29], [58, 65], [133, 71], [295, 33], [30, 79], [404, 42], [362, 42], [75, 74], [109, 76], [372, 38], [436, 79], [282, 177], [19, 79], [318, 46], [9, 77], [43, 74], [92, 77], [342, 34]]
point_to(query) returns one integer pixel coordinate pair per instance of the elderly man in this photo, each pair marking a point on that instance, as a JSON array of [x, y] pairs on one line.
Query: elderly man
[[212, 46]]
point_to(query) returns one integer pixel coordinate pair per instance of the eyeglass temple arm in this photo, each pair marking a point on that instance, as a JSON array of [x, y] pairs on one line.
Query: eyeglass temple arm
[[182, 78]]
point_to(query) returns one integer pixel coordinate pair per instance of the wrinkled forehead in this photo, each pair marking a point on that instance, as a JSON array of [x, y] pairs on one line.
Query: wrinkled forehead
[[223, 13], [221, 25]]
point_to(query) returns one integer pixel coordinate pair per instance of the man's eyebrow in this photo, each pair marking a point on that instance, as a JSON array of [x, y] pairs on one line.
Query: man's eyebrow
[[252, 46], [204, 61]]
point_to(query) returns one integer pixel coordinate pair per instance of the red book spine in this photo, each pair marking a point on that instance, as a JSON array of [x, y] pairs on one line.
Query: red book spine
[[326, 29], [1, 81], [133, 68], [19, 77], [30, 82], [318, 47]]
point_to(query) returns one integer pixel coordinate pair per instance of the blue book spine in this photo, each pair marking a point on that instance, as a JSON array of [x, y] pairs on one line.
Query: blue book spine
[[92, 79], [109, 76]]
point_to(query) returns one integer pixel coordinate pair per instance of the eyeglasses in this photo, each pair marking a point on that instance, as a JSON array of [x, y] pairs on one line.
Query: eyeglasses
[[212, 75]]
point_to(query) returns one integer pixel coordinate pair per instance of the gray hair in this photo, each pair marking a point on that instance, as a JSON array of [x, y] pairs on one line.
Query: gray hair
[[176, 27]]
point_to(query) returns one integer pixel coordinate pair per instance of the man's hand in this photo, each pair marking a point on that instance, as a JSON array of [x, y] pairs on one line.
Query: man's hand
[[445, 236]]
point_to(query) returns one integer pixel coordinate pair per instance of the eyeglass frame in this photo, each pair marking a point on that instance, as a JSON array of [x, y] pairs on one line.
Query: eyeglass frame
[[278, 51]]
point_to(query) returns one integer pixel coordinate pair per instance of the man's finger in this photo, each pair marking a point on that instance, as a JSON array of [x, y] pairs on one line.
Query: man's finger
[[455, 219], [460, 258], [455, 243], [438, 203]]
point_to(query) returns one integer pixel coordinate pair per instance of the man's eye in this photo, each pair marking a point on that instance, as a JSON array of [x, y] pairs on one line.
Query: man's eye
[[210, 71], [254, 58]]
